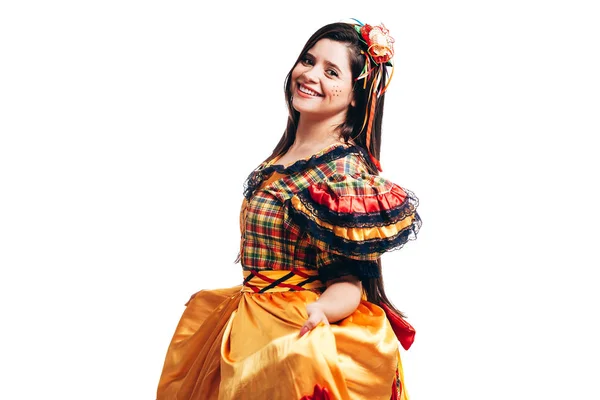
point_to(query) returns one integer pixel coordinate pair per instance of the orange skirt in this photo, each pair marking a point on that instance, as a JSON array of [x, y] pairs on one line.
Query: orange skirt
[[236, 344]]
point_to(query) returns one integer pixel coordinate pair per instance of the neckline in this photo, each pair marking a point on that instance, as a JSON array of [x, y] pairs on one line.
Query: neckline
[[329, 153], [316, 155]]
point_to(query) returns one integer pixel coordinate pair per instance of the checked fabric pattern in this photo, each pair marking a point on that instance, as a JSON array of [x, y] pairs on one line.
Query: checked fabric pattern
[[325, 214]]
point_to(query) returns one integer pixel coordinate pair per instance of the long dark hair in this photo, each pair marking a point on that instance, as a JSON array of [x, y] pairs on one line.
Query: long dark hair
[[352, 129]]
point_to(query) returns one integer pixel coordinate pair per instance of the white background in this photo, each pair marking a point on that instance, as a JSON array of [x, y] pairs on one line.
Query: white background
[[128, 128]]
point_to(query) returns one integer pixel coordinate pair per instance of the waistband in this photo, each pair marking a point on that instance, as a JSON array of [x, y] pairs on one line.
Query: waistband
[[293, 280]]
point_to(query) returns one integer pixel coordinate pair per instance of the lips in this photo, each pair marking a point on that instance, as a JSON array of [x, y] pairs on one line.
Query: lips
[[307, 92]]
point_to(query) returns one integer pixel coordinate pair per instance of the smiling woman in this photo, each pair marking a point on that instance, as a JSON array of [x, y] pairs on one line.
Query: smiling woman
[[311, 319], [322, 82]]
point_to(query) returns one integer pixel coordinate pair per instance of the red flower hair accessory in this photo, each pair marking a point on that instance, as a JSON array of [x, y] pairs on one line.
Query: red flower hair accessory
[[380, 45], [380, 50]]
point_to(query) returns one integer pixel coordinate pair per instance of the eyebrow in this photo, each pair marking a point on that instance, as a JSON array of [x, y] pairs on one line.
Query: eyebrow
[[326, 62]]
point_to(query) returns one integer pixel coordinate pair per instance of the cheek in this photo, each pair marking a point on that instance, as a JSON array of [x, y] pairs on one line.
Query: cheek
[[338, 92]]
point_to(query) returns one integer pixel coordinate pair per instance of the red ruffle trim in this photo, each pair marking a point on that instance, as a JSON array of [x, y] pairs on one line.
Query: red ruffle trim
[[361, 204]]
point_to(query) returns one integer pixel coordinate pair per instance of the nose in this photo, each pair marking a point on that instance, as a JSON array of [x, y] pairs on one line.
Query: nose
[[310, 75]]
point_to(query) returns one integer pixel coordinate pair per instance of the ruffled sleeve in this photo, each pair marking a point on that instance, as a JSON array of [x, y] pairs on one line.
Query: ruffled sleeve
[[353, 220]]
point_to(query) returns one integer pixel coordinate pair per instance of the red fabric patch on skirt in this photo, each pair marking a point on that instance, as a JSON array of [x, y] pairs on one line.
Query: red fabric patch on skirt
[[320, 393]]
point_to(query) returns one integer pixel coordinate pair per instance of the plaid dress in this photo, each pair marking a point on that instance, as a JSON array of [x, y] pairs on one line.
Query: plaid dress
[[325, 213], [301, 225]]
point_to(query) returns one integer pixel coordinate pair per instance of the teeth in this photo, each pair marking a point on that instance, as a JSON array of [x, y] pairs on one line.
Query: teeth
[[308, 91]]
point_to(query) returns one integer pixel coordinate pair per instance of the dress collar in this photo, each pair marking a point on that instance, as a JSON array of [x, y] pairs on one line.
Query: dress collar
[[330, 153]]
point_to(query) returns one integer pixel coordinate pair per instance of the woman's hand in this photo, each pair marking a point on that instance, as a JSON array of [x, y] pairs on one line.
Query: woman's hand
[[316, 315], [340, 299]]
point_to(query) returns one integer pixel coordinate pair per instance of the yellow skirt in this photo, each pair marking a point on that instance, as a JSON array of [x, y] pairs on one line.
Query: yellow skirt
[[236, 344]]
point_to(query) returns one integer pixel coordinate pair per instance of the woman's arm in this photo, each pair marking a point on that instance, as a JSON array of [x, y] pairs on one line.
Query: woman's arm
[[340, 299]]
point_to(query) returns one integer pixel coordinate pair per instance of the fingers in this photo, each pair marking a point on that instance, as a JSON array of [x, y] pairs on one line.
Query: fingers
[[304, 330], [308, 326], [312, 322]]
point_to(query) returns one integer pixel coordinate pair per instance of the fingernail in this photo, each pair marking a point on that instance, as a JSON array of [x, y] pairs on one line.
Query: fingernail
[[303, 331]]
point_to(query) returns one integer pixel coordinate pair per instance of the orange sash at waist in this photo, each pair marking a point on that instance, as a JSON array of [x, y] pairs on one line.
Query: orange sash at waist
[[296, 279]]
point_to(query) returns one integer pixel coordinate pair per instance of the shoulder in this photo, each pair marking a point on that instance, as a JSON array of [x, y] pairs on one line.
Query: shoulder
[[357, 215], [356, 197], [348, 176], [352, 163]]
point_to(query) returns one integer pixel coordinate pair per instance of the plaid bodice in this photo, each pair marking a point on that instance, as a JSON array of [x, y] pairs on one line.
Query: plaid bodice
[[325, 213]]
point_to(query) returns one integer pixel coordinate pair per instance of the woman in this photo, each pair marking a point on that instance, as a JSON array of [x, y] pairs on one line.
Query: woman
[[311, 320]]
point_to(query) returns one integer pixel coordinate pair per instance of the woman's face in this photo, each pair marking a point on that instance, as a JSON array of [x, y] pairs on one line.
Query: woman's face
[[321, 83]]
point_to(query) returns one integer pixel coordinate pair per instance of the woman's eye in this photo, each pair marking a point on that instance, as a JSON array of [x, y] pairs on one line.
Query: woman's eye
[[332, 72], [306, 61]]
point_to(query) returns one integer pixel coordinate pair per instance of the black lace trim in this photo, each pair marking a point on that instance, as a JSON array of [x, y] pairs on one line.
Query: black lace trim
[[347, 266], [257, 176], [350, 247], [360, 220]]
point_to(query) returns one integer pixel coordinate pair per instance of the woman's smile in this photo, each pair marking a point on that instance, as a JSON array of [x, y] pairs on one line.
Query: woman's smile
[[305, 91]]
